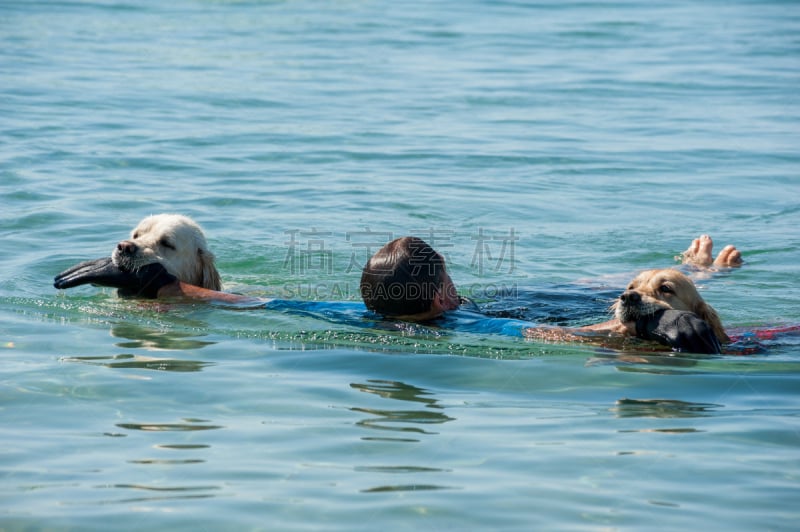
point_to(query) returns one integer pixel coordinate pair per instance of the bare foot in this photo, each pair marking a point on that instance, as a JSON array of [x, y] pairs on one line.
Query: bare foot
[[700, 254], [729, 257]]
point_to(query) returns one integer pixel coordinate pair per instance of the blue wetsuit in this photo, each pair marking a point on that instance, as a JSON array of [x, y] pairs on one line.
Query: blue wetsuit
[[472, 320], [355, 313]]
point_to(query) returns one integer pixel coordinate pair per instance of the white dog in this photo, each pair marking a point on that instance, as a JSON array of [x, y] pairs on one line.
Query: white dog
[[174, 241]]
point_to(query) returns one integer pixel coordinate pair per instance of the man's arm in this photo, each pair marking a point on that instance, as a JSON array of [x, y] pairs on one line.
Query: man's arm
[[181, 289], [150, 281], [681, 330]]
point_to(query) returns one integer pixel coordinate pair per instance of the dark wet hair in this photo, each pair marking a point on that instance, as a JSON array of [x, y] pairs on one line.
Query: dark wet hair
[[402, 278]]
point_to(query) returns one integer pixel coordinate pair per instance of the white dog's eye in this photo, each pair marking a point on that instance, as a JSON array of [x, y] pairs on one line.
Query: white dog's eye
[[166, 243]]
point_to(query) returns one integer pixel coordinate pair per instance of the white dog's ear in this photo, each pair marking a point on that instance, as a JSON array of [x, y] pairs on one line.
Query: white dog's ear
[[210, 275]]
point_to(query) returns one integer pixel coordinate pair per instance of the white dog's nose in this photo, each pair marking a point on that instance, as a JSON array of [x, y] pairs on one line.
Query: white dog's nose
[[127, 247]]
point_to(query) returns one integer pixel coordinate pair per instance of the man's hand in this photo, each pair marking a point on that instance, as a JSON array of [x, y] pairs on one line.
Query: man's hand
[[142, 282], [681, 330]]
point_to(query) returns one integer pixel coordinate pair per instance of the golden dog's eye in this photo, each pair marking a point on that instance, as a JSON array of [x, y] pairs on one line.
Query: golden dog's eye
[[666, 289], [166, 243]]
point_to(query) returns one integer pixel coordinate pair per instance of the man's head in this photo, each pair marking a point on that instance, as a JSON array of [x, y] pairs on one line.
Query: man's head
[[407, 279]]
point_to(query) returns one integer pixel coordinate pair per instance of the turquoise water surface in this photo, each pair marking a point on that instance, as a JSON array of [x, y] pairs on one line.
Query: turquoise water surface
[[548, 149]]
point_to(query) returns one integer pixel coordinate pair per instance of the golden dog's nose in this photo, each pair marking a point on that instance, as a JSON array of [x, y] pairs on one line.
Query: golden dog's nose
[[630, 297]]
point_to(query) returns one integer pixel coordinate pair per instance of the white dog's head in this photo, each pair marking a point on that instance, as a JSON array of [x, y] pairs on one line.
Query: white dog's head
[[174, 241]]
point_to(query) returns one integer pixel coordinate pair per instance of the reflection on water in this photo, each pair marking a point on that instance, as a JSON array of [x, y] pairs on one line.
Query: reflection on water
[[155, 339], [408, 487], [678, 430], [182, 446], [141, 362], [400, 469], [158, 492], [154, 461], [660, 363], [665, 409], [662, 408], [385, 419], [162, 493], [397, 390], [169, 427]]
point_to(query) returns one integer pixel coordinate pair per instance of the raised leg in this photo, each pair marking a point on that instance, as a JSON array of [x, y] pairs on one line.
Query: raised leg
[[700, 253]]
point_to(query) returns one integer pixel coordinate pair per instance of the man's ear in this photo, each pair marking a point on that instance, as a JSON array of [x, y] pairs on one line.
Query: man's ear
[[437, 303], [438, 300]]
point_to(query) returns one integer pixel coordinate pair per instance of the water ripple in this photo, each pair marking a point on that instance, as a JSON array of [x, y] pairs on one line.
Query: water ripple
[[167, 427]]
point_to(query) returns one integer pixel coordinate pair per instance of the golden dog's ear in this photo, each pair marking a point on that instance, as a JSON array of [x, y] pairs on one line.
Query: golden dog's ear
[[707, 313], [210, 275]]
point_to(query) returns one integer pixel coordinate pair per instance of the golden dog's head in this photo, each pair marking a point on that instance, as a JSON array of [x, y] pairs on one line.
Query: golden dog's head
[[174, 241], [653, 290]]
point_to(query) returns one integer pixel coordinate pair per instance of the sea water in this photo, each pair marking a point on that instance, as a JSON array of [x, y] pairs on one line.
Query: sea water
[[549, 150]]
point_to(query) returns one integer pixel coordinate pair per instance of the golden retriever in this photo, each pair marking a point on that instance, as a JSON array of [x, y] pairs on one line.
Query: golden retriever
[[647, 293], [174, 241], [653, 290]]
